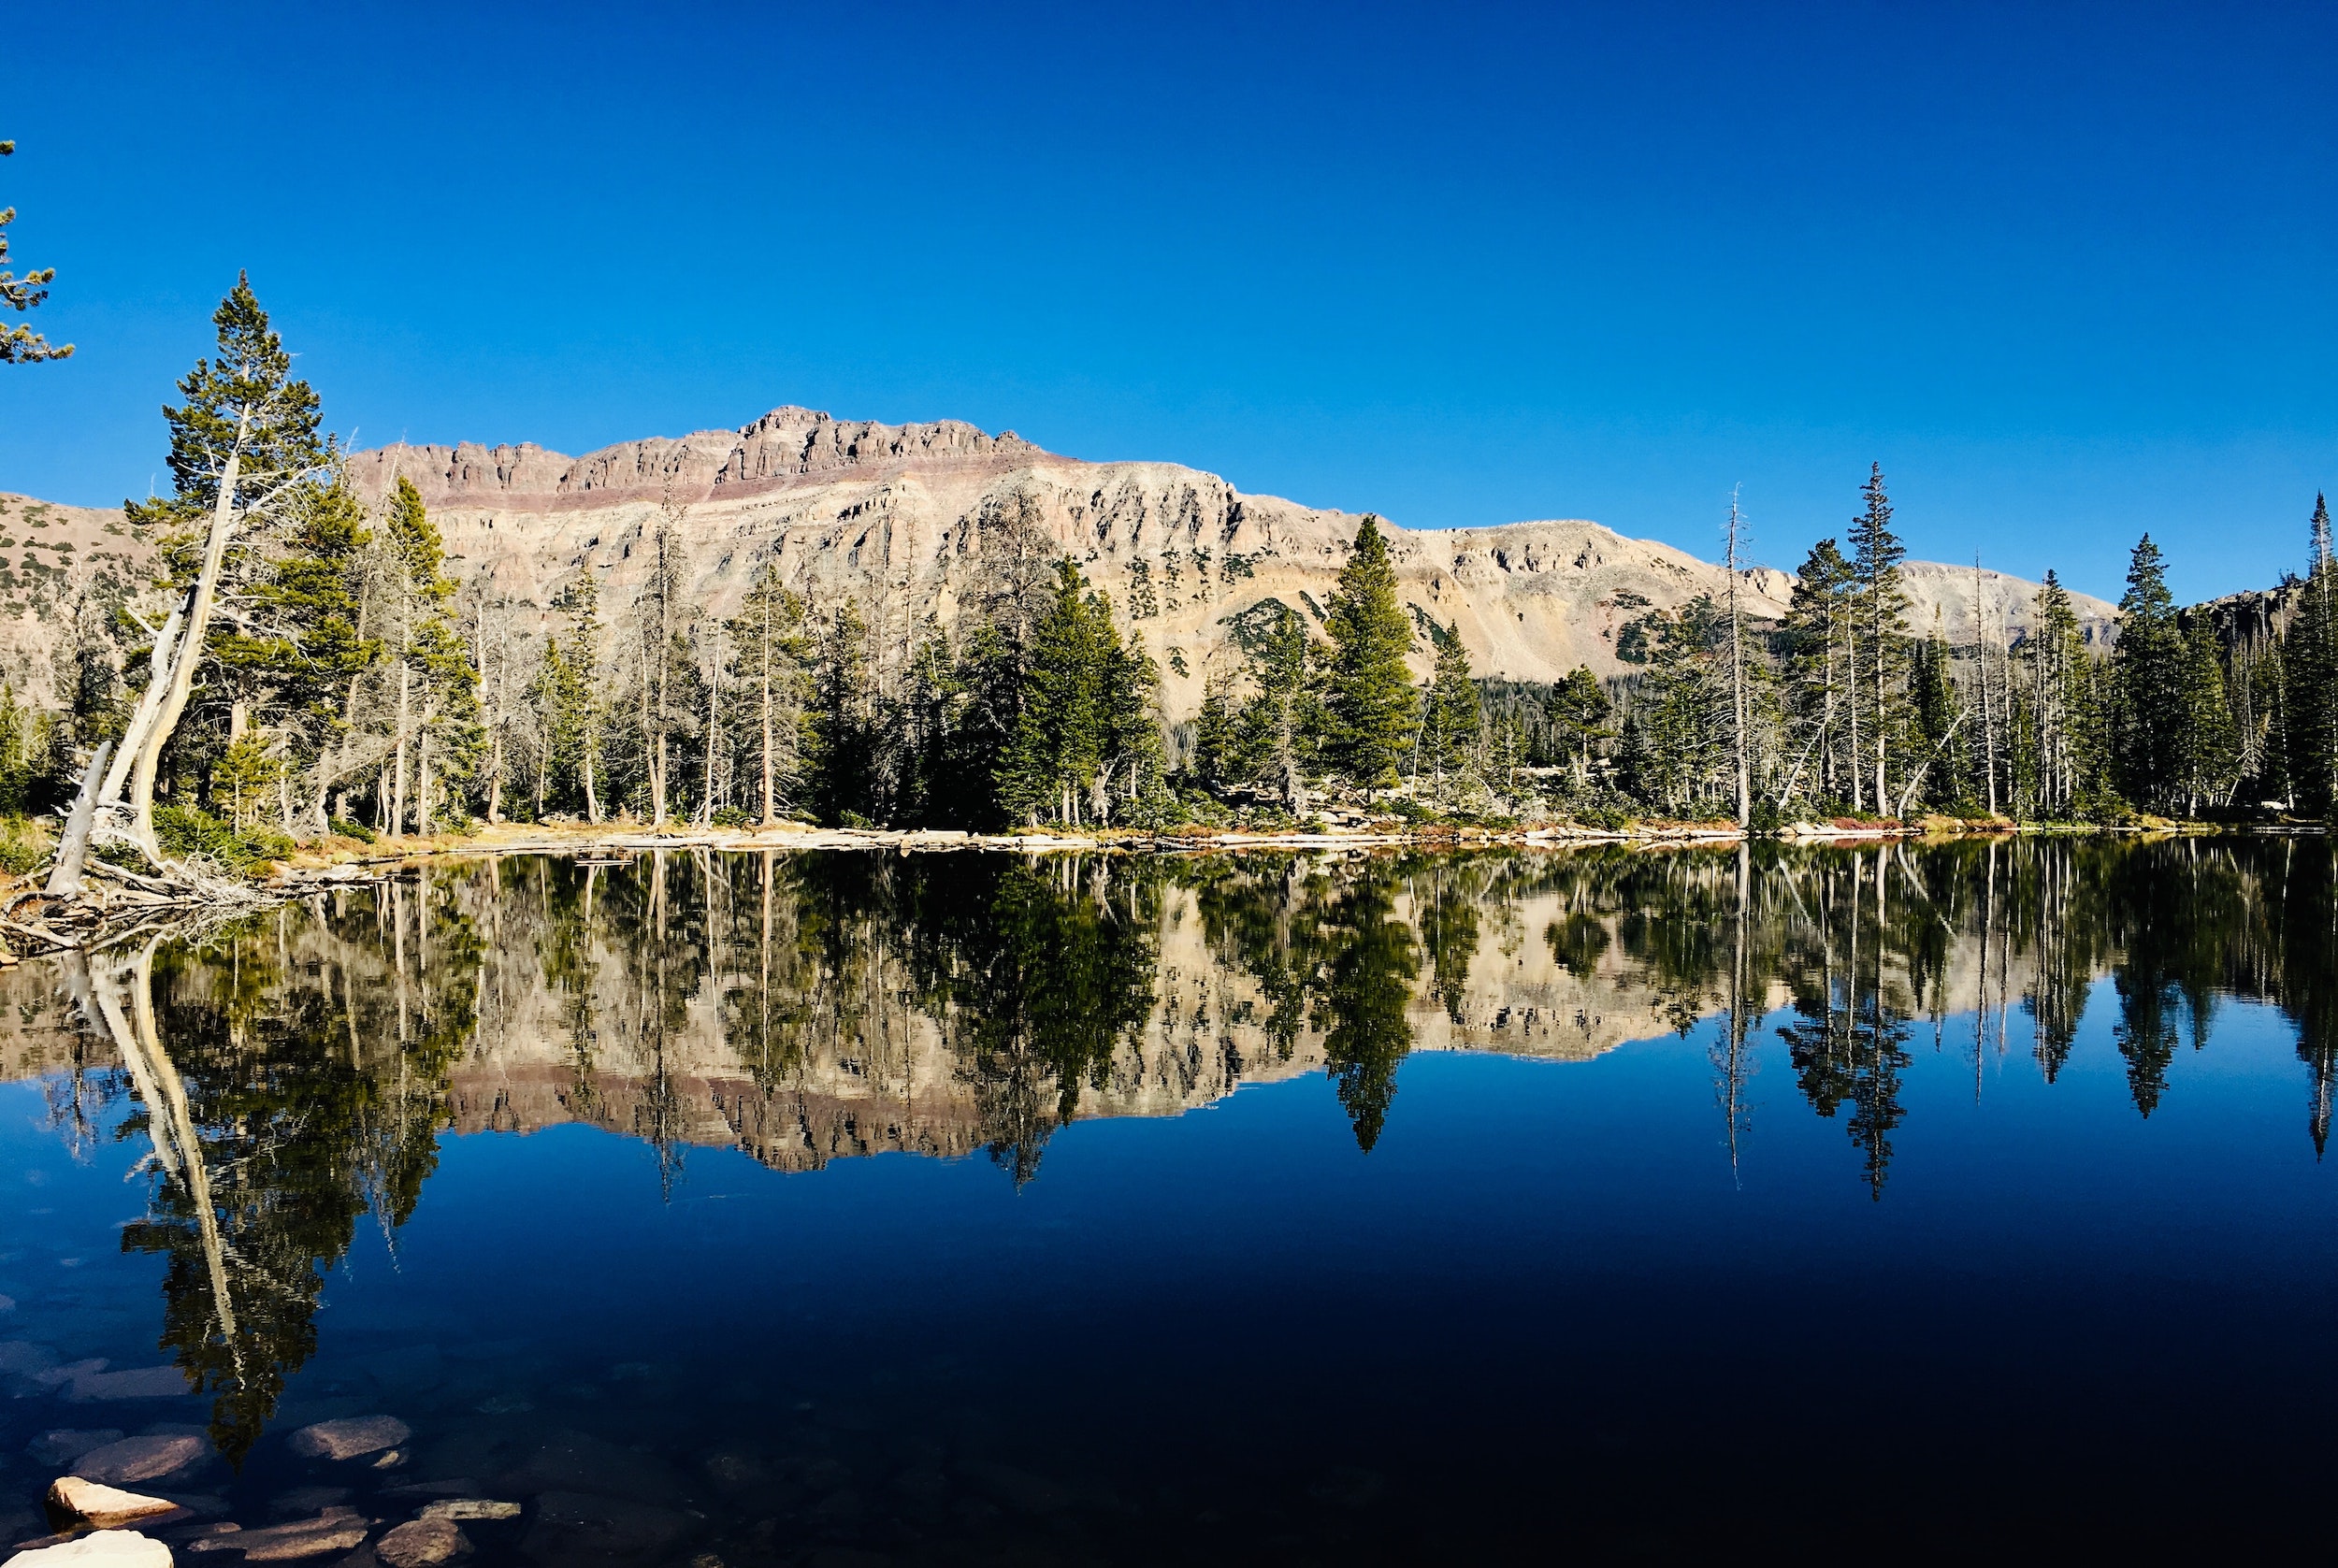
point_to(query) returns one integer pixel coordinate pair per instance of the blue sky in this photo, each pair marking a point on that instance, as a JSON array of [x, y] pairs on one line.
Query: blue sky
[[2065, 270]]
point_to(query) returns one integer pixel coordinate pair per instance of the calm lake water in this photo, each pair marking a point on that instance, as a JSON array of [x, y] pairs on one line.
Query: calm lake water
[[853, 1209]]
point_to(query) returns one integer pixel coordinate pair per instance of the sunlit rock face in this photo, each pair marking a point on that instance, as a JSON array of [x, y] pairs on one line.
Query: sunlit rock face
[[907, 520]]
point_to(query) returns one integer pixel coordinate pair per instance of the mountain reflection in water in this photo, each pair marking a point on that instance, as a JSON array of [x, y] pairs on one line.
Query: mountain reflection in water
[[294, 1074]]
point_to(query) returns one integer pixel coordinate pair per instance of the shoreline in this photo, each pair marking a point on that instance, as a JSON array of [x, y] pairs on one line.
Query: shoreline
[[351, 861]]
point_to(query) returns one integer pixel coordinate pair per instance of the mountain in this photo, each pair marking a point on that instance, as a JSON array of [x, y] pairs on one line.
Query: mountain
[[53, 561], [898, 516]]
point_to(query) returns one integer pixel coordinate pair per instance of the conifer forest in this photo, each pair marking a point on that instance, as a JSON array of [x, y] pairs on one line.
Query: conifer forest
[[309, 662]]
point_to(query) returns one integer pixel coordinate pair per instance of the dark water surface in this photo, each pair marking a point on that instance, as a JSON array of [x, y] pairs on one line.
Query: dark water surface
[[854, 1209]]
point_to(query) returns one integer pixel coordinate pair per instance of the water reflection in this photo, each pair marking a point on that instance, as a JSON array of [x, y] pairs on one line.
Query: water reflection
[[291, 1075]]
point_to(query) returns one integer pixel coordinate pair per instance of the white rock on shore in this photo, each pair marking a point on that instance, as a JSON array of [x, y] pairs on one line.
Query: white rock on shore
[[108, 1548], [102, 1507]]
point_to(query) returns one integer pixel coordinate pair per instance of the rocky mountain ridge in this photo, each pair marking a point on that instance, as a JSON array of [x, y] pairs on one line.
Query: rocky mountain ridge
[[899, 517]]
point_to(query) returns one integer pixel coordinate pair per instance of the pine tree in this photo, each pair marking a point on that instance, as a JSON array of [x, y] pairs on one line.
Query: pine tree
[[2309, 659], [1876, 553], [1578, 712], [1052, 764], [2209, 739], [2147, 671], [844, 732], [767, 634], [246, 457], [1937, 714], [1369, 700], [1278, 732], [1450, 710], [20, 344], [1819, 643], [436, 685]]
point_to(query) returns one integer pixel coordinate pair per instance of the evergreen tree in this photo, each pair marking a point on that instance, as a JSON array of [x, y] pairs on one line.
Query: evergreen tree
[[20, 344], [2147, 702], [1279, 731], [844, 729], [1881, 614], [2062, 691], [1450, 710], [246, 458], [1369, 700], [1053, 763], [1936, 712], [436, 686], [2211, 741], [2309, 660], [1819, 646], [771, 652], [1579, 711]]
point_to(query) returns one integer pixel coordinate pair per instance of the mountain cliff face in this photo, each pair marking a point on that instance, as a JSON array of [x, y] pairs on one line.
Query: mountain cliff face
[[900, 518]]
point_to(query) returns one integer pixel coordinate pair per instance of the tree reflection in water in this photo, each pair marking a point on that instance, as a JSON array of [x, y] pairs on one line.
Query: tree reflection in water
[[292, 1074]]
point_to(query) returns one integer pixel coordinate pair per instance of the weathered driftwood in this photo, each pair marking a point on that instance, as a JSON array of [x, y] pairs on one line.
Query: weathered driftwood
[[65, 878]]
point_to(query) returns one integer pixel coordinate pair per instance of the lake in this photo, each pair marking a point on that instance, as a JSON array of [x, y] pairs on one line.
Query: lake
[[853, 1208]]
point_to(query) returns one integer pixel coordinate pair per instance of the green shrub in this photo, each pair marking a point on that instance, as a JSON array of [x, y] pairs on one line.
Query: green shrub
[[184, 831], [356, 830], [734, 816], [24, 844]]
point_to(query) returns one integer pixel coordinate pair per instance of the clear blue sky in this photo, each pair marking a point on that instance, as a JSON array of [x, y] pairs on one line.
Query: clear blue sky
[[2066, 271]]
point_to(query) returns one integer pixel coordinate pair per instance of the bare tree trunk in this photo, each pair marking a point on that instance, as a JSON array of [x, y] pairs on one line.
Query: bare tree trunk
[[1981, 663], [422, 782], [150, 701], [190, 652], [64, 880], [1737, 674], [770, 810], [714, 692], [397, 775]]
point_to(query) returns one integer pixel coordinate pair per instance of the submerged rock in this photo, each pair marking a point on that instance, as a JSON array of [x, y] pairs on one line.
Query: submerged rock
[[65, 1444], [335, 1530], [141, 1459], [102, 1507], [423, 1543], [471, 1508], [349, 1439], [108, 1548]]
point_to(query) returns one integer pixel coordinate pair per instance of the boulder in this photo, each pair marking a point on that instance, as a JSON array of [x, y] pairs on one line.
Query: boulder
[[471, 1508], [423, 1543], [108, 1548], [335, 1530], [103, 1507], [349, 1439], [141, 1459], [574, 1529], [66, 1444]]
